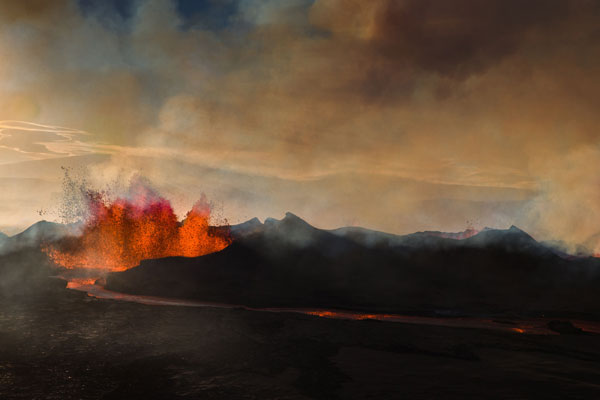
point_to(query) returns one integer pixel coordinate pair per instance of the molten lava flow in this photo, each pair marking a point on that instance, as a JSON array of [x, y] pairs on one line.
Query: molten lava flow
[[348, 315], [118, 234], [78, 282]]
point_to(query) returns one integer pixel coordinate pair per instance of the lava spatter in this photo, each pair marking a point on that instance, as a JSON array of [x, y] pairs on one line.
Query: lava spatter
[[117, 234]]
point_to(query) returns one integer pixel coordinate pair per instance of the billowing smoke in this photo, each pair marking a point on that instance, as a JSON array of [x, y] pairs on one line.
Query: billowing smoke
[[396, 115]]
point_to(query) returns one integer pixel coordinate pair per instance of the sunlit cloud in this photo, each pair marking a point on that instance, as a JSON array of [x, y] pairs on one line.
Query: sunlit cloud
[[432, 112], [36, 141]]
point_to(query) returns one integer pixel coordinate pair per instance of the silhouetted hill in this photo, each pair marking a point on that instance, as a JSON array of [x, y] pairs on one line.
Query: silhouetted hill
[[24, 268], [368, 237], [512, 239], [246, 228], [40, 232], [512, 236], [288, 262]]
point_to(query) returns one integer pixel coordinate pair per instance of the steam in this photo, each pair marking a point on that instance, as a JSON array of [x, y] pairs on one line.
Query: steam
[[400, 116]]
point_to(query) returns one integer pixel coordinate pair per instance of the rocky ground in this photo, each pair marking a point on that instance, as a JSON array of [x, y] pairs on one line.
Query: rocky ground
[[70, 346]]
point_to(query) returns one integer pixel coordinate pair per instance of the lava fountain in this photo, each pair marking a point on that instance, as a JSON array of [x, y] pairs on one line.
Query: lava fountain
[[117, 234]]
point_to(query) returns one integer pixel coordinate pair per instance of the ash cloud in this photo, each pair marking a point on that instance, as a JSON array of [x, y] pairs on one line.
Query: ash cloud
[[411, 99], [460, 37]]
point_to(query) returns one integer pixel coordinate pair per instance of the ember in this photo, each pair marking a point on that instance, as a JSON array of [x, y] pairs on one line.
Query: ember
[[118, 234]]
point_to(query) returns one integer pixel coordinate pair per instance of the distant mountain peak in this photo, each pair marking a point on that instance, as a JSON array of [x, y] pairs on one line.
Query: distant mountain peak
[[511, 239], [511, 229], [250, 222], [516, 231], [293, 229], [289, 219], [515, 228], [293, 218], [271, 221], [246, 227], [47, 230], [43, 227], [254, 222]]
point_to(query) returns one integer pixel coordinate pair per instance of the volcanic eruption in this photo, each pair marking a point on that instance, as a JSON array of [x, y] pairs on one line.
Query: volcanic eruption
[[117, 234]]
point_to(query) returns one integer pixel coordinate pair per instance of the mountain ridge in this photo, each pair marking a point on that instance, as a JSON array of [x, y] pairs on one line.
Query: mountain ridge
[[48, 231], [288, 262]]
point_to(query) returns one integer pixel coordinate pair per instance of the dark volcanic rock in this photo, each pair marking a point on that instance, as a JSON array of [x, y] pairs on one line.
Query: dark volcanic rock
[[71, 346], [24, 269], [27, 272], [291, 263], [565, 328], [246, 228]]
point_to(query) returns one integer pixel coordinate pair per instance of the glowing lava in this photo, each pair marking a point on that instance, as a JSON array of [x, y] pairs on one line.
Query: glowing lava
[[118, 234], [77, 282]]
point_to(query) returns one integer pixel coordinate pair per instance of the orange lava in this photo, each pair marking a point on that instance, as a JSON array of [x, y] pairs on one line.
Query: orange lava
[[347, 315], [76, 282], [329, 314], [119, 234]]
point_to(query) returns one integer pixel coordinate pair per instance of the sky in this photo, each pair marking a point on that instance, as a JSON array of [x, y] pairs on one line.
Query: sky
[[398, 115]]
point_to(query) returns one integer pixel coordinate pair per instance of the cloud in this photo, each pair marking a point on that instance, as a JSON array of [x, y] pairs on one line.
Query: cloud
[[33, 141], [488, 94], [460, 37]]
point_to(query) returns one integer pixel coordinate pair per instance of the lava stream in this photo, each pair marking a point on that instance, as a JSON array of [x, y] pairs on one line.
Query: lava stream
[[538, 326]]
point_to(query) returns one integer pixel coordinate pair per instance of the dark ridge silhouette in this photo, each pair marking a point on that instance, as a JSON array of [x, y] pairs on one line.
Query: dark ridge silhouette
[[453, 235], [40, 232], [246, 228], [565, 328], [368, 237], [288, 262], [24, 269]]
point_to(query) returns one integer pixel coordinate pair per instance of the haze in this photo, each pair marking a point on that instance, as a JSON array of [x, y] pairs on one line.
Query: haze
[[395, 115]]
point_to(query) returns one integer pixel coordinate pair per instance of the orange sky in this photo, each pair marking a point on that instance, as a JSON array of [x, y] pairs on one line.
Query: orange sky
[[396, 115]]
